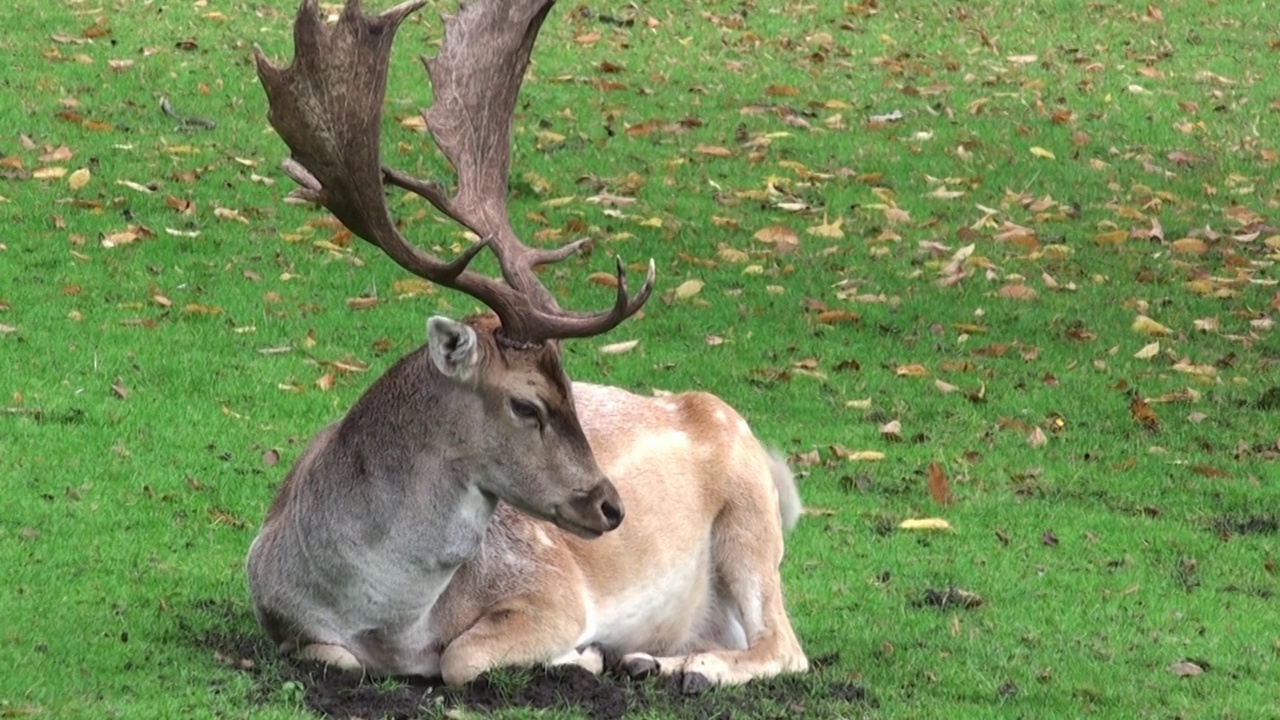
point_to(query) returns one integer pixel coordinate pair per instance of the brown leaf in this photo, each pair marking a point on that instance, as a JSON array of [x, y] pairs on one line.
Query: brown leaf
[[1143, 413], [362, 303], [1017, 291], [713, 150], [222, 517], [603, 279], [939, 488], [837, 317], [912, 370], [119, 390], [271, 457]]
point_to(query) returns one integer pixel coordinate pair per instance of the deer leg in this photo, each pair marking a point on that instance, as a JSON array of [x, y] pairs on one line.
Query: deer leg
[[521, 631], [746, 551], [334, 656]]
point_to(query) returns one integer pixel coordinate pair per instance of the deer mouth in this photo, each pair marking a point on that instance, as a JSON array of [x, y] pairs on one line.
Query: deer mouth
[[582, 531]]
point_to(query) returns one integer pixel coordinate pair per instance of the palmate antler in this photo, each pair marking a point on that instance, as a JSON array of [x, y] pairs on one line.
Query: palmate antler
[[327, 107]]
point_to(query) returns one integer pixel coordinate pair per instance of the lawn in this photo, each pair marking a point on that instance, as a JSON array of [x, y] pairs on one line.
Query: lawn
[[1009, 265]]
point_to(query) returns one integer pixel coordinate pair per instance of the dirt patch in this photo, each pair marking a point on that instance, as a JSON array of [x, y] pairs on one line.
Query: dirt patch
[[612, 696], [1247, 524]]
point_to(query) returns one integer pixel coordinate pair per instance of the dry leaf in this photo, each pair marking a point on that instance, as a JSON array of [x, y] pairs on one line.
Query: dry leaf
[[777, 235], [79, 178], [939, 488], [944, 387], [1143, 413], [688, 289], [1148, 351], [1185, 668], [713, 150], [911, 371], [1147, 326], [1017, 291], [1037, 438], [828, 229], [891, 431], [619, 348], [1042, 153], [837, 317], [603, 279], [925, 524]]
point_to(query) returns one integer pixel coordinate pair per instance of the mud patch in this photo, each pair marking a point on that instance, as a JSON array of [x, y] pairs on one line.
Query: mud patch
[[612, 696]]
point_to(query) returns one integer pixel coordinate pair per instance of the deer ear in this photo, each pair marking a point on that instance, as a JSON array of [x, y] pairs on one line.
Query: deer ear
[[453, 348]]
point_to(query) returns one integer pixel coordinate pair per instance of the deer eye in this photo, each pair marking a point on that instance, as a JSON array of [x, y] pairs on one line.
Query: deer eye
[[525, 410]]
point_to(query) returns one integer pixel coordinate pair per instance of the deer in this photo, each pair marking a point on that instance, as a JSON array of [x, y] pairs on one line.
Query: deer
[[475, 508]]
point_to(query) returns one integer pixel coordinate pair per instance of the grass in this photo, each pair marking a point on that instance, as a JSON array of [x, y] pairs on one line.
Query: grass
[[1116, 160]]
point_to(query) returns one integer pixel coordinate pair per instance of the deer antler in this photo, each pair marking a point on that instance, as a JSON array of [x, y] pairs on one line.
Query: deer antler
[[327, 107]]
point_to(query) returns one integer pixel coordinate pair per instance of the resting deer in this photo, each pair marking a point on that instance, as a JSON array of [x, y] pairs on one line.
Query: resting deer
[[468, 511]]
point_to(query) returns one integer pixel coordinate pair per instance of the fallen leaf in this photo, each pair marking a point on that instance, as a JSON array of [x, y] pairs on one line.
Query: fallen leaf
[[1185, 668], [1148, 351], [837, 317], [891, 431], [688, 289], [713, 150], [1143, 413], [79, 178], [1037, 438], [925, 524], [1147, 326], [911, 371], [619, 348], [939, 488], [828, 229], [1043, 153]]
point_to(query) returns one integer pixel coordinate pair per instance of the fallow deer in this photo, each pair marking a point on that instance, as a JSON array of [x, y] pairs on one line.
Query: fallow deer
[[468, 511]]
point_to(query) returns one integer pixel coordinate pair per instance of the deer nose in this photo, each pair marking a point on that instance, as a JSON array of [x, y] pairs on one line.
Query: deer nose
[[608, 505]]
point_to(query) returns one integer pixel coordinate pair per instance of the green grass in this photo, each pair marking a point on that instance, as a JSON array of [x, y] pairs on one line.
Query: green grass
[[1104, 555]]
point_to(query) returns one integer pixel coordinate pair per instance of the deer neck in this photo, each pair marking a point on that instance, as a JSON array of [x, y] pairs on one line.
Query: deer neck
[[417, 512]]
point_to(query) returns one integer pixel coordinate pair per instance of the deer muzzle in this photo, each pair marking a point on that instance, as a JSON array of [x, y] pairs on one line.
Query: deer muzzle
[[593, 514]]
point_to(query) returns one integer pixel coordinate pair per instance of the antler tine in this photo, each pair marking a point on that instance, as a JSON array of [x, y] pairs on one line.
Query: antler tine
[[327, 107], [476, 79]]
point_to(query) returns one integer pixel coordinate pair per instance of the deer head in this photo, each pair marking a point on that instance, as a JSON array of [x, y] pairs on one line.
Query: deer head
[[327, 107]]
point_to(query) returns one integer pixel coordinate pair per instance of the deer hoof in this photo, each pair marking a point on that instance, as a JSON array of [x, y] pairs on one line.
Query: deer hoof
[[639, 666], [694, 683]]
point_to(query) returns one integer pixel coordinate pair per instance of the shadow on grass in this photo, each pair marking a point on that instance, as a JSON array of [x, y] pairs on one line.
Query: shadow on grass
[[233, 641]]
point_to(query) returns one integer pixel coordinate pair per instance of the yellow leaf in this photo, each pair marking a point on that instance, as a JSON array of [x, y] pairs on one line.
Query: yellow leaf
[[1115, 237], [619, 347], [603, 279], [828, 229], [415, 123], [1042, 153], [1148, 351], [79, 178], [713, 150], [52, 172], [732, 255], [1190, 246], [688, 289], [1147, 326], [864, 456], [409, 287], [925, 524], [652, 222]]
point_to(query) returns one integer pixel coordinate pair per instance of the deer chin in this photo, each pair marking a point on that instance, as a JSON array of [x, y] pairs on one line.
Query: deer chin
[[582, 531]]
